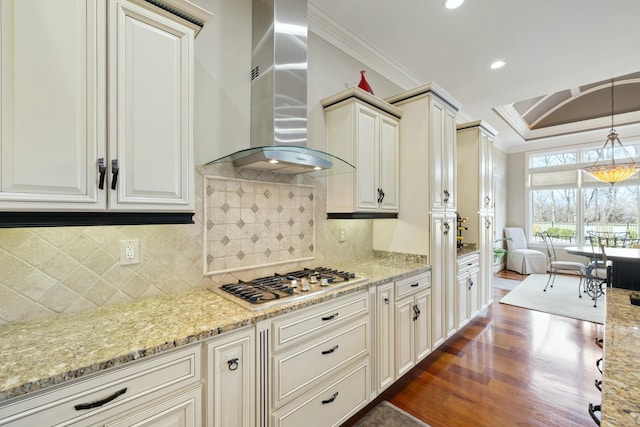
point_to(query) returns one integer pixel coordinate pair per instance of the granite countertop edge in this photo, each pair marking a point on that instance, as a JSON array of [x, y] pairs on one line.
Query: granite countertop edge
[[37, 355], [621, 377]]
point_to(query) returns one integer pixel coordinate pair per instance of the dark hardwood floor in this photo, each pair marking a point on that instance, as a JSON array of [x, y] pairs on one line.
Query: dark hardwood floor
[[508, 367]]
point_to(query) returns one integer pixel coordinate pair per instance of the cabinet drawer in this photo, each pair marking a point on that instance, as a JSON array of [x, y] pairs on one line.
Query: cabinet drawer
[[183, 409], [129, 386], [468, 263], [298, 369], [329, 405], [413, 284], [317, 319]]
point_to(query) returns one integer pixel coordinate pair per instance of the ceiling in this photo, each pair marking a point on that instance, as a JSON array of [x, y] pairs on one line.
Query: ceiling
[[560, 55]]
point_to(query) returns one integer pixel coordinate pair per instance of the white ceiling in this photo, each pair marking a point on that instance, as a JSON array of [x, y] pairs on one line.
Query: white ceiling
[[549, 46]]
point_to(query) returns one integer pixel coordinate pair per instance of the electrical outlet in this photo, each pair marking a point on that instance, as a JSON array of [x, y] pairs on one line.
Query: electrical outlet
[[129, 252], [342, 234]]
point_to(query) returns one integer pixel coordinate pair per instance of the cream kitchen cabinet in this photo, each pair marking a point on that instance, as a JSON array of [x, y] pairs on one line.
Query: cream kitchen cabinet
[[314, 364], [428, 179], [475, 169], [469, 296], [163, 390], [96, 109], [364, 131], [230, 379], [412, 321]]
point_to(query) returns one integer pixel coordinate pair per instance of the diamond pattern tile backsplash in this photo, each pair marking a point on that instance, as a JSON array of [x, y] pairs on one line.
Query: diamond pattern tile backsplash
[[272, 223], [251, 223]]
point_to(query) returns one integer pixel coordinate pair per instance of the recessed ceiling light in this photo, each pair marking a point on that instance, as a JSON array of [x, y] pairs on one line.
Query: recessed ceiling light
[[498, 64], [453, 4]]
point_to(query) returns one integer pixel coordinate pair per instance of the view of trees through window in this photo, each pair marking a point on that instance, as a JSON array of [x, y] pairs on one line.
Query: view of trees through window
[[567, 205]]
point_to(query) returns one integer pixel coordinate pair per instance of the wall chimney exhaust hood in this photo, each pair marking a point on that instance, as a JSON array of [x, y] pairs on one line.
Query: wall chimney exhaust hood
[[279, 95]]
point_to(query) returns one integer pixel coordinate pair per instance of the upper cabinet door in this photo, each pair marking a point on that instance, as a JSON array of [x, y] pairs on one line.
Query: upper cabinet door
[[52, 113], [443, 154], [150, 96], [367, 144], [389, 164]]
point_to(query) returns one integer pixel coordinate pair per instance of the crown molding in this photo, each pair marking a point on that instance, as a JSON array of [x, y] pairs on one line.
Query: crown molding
[[511, 116], [325, 27]]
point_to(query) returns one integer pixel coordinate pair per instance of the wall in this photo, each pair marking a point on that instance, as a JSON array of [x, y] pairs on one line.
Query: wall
[[500, 182], [48, 271], [516, 213]]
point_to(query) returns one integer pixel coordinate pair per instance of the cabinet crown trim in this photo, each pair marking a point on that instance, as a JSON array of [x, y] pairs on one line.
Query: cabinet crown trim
[[357, 93], [484, 126], [425, 89]]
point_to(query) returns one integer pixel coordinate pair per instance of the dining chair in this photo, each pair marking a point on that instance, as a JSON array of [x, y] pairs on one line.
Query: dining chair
[[599, 269], [555, 266]]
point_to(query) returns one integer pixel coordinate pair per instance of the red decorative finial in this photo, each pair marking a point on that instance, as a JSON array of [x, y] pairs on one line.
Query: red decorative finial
[[363, 83]]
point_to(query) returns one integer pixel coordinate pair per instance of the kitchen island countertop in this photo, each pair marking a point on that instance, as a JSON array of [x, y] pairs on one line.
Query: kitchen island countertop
[[40, 354], [621, 376]]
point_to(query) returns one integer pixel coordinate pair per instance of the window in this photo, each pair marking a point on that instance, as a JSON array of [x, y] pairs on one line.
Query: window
[[567, 203]]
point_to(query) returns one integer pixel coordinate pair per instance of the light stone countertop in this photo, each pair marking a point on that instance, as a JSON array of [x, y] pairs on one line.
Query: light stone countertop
[[621, 376], [40, 354]]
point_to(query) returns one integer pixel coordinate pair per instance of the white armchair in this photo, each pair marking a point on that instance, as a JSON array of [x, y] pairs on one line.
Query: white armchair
[[520, 258]]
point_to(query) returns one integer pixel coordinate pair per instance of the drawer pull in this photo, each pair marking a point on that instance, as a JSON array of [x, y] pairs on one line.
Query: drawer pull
[[233, 364], [415, 285], [98, 403], [331, 399], [331, 350], [333, 316]]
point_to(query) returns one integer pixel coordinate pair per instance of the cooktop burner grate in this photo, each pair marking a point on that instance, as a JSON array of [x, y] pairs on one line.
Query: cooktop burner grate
[[269, 290]]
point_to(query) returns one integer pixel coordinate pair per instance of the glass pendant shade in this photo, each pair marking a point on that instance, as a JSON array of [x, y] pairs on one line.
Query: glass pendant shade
[[612, 172]]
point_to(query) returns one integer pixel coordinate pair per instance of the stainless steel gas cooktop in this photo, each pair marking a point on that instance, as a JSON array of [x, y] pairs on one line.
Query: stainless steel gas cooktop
[[266, 292]]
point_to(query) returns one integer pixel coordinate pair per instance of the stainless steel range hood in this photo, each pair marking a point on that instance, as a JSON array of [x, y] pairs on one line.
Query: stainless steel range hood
[[279, 94]]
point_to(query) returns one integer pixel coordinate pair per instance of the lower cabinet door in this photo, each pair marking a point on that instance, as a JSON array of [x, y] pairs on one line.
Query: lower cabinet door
[[404, 336], [183, 410], [230, 380], [422, 339], [328, 405], [385, 337]]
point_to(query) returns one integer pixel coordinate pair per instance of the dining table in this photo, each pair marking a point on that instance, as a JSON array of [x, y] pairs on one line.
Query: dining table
[[625, 263]]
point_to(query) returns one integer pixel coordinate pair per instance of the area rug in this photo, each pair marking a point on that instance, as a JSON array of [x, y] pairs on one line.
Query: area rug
[[508, 284], [561, 300], [387, 415]]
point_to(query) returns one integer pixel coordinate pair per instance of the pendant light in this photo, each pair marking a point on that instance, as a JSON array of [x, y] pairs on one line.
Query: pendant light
[[612, 172]]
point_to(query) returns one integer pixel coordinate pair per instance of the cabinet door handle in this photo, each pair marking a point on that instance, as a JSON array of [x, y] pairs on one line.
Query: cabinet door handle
[[380, 195], [102, 169], [331, 399], [488, 225], [333, 316], [487, 199], [233, 364], [416, 312], [114, 171], [386, 301], [470, 282], [446, 196], [98, 403], [331, 350], [446, 228]]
